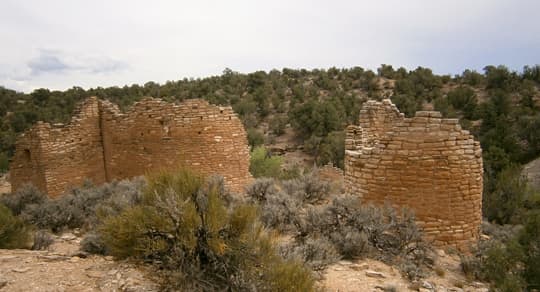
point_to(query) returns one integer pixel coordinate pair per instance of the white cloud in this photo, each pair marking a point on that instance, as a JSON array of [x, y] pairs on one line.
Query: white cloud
[[62, 43]]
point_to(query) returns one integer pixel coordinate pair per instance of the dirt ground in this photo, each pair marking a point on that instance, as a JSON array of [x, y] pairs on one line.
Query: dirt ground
[[5, 187], [64, 268], [372, 275], [532, 171]]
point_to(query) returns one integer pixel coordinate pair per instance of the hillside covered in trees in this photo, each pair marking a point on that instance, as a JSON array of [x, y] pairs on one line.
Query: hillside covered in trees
[[500, 107]]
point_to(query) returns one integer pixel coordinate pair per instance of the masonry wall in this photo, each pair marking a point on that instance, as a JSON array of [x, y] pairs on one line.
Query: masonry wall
[[426, 163], [155, 134], [56, 157], [27, 164], [103, 144]]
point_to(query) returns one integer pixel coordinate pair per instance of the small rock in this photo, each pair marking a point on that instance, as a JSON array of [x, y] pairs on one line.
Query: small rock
[[358, 267], [81, 254], [478, 284], [51, 258], [74, 259], [109, 258], [423, 290], [427, 285], [68, 237], [455, 289], [484, 237], [21, 270], [441, 253], [6, 258], [94, 274], [112, 272], [375, 274]]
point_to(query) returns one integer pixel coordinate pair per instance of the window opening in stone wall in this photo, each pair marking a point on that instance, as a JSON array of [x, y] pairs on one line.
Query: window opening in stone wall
[[166, 131], [27, 155]]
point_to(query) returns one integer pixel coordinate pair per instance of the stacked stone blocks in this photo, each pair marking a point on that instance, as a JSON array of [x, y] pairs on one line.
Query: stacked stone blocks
[[425, 163], [103, 144]]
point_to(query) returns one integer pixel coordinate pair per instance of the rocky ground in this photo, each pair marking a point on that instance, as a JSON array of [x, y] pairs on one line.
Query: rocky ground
[[371, 275], [5, 187], [64, 268], [532, 171]]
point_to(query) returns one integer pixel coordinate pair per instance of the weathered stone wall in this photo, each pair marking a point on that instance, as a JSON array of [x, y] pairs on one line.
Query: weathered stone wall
[[332, 175], [103, 144], [155, 134], [426, 163], [55, 157]]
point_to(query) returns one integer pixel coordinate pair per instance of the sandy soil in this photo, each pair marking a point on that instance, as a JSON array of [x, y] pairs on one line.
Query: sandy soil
[[5, 187], [372, 275], [63, 268]]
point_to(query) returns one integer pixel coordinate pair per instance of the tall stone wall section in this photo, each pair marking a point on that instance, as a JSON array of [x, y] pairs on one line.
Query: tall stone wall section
[[426, 163], [155, 134], [55, 157], [103, 144]]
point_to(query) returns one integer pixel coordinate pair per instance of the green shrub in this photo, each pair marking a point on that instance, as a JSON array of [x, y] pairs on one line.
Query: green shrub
[[263, 164], [509, 260], [84, 206], [255, 137], [307, 188], [42, 240], [529, 239], [93, 243], [184, 227], [25, 196], [317, 253], [463, 98], [505, 204], [14, 233], [4, 162], [358, 230], [278, 124]]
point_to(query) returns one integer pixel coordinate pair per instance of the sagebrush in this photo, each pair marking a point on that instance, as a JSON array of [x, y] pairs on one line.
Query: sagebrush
[[184, 227]]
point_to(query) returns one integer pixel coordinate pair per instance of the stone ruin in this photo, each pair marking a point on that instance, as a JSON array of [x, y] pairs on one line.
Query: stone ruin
[[426, 163], [103, 144]]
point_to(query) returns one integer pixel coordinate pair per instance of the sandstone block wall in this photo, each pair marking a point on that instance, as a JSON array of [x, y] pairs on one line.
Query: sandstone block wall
[[53, 157], [426, 163], [103, 144], [155, 134]]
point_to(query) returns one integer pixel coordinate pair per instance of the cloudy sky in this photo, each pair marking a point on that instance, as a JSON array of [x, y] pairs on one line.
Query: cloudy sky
[[59, 44]]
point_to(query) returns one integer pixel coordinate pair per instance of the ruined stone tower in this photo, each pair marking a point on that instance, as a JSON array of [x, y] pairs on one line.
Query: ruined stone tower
[[426, 163], [103, 144]]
